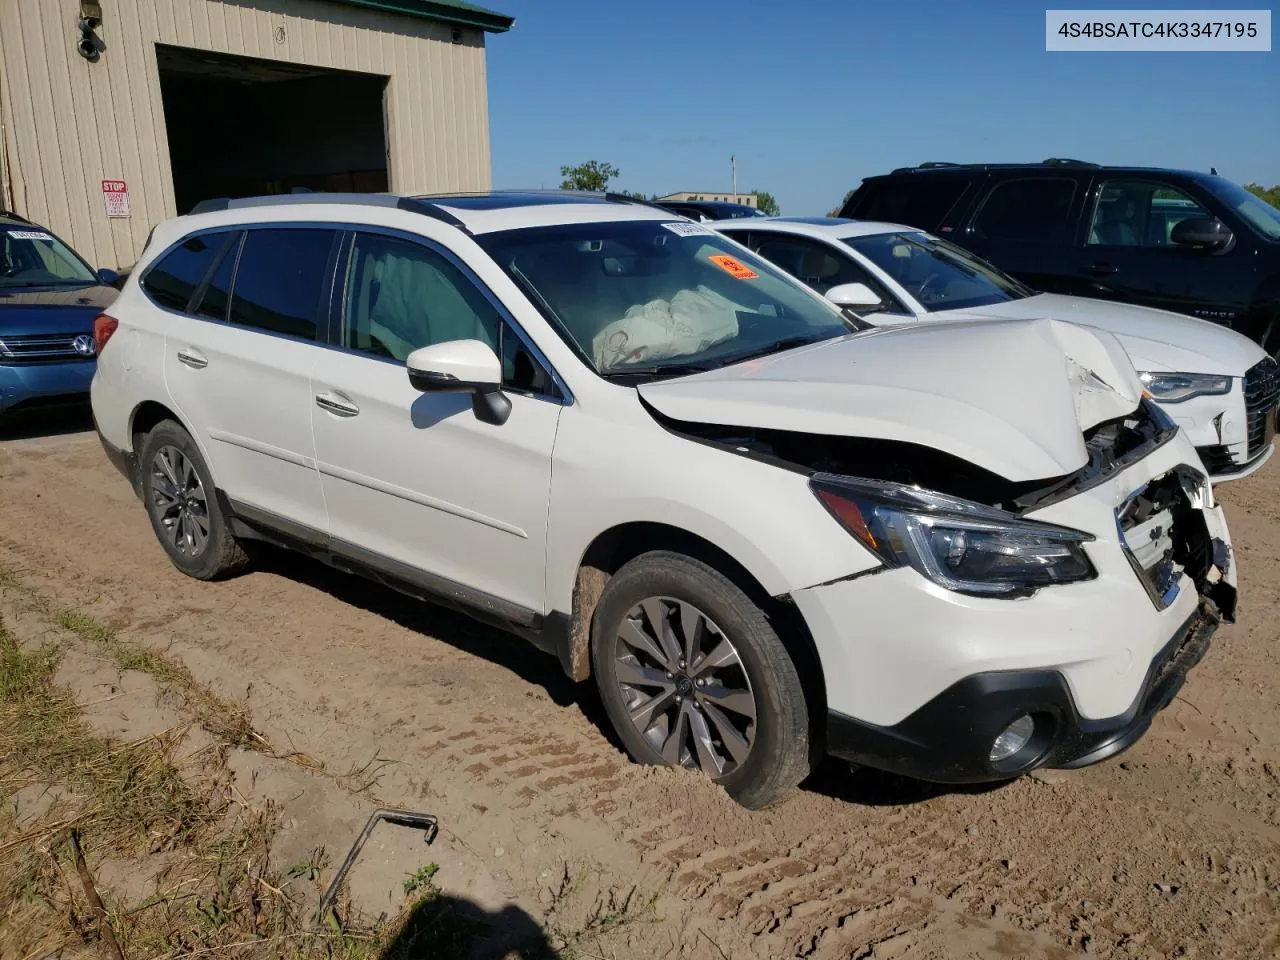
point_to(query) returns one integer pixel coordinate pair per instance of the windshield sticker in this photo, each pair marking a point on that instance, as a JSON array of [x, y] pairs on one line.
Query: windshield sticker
[[687, 229], [29, 235], [734, 268]]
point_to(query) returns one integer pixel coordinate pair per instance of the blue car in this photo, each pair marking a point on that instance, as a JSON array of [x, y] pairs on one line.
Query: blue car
[[48, 299]]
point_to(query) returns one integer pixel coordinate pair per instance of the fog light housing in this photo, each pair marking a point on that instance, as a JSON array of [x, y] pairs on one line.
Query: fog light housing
[[1012, 739]]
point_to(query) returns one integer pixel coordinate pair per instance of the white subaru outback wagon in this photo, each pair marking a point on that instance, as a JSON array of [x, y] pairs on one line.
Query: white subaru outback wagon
[[957, 552]]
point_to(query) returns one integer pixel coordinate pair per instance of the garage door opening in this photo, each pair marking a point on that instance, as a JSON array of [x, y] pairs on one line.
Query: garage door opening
[[240, 127]]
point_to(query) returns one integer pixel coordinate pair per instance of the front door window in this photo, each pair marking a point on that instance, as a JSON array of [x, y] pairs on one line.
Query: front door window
[[1139, 213]]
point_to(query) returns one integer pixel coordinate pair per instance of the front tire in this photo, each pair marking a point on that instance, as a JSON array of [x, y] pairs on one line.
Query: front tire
[[179, 494], [692, 674]]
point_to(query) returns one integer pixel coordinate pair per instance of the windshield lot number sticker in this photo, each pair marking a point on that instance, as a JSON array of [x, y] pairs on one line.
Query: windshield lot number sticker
[[687, 229], [29, 235], [734, 268]]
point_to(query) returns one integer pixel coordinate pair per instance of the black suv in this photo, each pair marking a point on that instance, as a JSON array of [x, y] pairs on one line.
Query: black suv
[[1189, 242]]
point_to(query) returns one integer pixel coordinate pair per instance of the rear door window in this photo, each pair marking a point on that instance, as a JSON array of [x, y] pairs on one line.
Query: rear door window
[[174, 278], [280, 280], [1030, 210], [918, 201]]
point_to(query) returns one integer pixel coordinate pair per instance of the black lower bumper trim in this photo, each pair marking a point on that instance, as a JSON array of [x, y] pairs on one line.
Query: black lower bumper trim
[[949, 739], [124, 461]]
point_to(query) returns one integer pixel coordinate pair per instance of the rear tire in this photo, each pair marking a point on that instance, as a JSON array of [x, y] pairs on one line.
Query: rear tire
[[692, 674], [181, 501]]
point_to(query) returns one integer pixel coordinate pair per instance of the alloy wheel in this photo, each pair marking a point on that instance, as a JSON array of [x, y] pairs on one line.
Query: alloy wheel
[[684, 686], [179, 501]]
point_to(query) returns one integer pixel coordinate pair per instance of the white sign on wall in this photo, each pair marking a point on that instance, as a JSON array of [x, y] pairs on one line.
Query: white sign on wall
[[115, 197]]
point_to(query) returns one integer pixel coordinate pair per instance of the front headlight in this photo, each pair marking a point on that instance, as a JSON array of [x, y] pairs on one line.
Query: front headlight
[[1176, 387], [960, 545]]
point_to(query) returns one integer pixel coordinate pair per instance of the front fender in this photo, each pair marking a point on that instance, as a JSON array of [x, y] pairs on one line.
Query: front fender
[[762, 515]]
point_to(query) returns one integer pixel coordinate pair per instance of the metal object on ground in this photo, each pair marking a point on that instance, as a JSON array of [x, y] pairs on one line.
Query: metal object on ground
[[425, 822]]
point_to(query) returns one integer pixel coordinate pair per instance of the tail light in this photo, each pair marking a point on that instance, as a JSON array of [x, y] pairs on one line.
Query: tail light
[[104, 325]]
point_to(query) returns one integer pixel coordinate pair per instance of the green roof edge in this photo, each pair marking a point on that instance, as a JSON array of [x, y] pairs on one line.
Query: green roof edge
[[446, 11]]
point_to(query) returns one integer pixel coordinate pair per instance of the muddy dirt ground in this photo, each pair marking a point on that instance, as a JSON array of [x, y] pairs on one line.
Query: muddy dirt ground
[[1172, 850]]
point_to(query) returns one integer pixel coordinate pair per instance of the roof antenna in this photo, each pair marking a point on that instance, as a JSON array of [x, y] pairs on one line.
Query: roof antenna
[[1213, 171]]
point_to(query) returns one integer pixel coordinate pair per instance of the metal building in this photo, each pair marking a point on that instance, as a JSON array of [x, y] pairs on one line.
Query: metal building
[[116, 114]]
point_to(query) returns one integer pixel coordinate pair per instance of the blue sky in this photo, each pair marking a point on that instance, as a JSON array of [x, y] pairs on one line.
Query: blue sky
[[812, 96]]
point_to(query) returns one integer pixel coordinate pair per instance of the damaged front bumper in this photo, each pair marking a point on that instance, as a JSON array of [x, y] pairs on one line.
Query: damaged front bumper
[[921, 681], [949, 739]]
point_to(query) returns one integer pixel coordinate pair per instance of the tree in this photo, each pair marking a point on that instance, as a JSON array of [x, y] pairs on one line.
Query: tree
[[836, 211], [592, 175], [766, 204], [1269, 194], [634, 195]]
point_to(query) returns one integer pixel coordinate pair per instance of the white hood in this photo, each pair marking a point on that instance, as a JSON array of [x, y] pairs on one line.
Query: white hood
[[1155, 340], [1012, 397]]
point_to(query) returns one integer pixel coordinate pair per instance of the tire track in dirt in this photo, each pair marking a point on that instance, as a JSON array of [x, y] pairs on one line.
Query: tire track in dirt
[[484, 729]]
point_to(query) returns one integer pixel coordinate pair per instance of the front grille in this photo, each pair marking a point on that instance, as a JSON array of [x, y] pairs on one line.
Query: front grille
[[41, 348], [1261, 392], [1164, 535]]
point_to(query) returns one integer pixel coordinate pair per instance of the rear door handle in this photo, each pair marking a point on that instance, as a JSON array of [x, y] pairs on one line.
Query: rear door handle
[[1101, 269], [192, 358], [336, 403]]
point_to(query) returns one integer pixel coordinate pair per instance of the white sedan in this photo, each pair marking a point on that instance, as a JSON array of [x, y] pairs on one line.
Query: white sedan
[[1219, 386]]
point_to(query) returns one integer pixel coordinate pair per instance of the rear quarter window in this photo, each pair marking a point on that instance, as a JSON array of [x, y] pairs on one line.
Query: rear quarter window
[[918, 201]]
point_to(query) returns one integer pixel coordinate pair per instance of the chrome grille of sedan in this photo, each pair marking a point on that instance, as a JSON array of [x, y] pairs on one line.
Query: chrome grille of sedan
[[45, 348], [1261, 392]]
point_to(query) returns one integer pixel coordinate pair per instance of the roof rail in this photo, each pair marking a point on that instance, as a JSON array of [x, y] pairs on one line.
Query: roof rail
[[624, 198], [411, 204], [927, 165], [1066, 162]]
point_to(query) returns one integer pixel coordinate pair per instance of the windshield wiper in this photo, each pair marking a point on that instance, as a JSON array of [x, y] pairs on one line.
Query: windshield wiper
[[664, 370], [786, 343]]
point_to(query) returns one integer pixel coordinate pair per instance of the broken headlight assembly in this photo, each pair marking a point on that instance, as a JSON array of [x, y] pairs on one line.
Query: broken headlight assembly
[[963, 546]]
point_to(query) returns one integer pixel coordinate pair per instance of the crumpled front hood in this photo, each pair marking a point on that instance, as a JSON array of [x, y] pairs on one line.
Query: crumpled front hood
[[1010, 396], [1155, 340]]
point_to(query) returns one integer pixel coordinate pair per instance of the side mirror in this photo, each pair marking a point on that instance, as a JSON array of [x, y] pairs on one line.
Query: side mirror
[[1203, 233], [108, 277], [857, 296], [462, 366]]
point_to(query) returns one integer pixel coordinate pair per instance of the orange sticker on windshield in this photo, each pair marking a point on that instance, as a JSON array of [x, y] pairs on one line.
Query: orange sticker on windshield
[[733, 267]]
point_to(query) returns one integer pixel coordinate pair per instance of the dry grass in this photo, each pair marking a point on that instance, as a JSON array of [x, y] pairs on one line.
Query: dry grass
[[131, 804], [227, 721], [128, 802], [182, 828]]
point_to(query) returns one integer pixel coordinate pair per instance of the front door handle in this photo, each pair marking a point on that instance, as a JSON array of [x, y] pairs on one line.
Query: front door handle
[[337, 403], [193, 358], [1101, 269]]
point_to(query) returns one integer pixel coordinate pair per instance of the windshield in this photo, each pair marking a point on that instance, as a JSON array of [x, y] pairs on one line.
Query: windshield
[[1261, 215], [647, 298], [30, 257], [938, 274]]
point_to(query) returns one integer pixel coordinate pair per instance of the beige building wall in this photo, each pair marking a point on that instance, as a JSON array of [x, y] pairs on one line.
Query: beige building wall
[[748, 199], [67, 124]]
